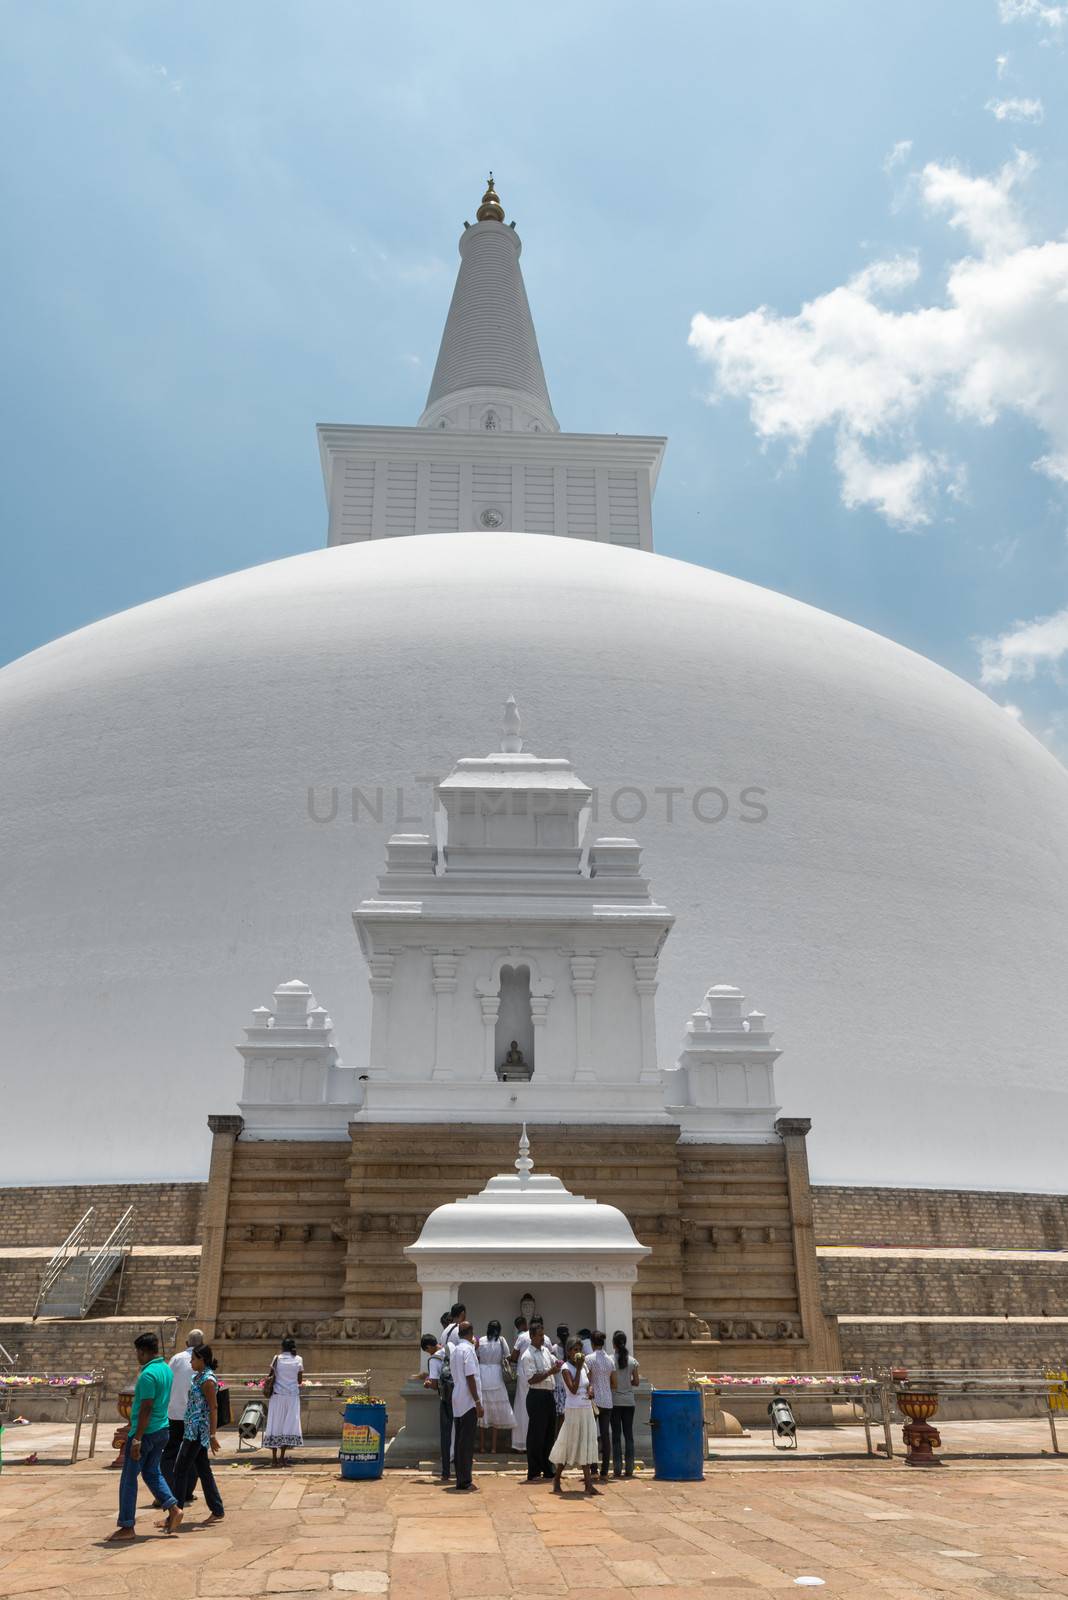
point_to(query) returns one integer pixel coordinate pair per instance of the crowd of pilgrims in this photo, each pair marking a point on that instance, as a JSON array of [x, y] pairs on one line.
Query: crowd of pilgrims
[[573, 1406]]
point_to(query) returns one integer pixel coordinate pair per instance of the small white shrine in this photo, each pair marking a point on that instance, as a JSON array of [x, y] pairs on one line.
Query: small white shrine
[[525, 1242]]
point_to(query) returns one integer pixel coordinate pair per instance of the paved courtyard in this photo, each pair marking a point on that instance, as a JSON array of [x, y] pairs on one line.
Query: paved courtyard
[[969, 1529]]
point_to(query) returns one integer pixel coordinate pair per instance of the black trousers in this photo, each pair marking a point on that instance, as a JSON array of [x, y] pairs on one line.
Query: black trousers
[[622, 1435], [541, 1431], [604, 1438], [466, 1431], [445, 1430], [194, 1462], [169, 1460]]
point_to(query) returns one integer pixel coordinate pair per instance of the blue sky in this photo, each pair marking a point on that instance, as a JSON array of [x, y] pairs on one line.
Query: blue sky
[[228, 223]]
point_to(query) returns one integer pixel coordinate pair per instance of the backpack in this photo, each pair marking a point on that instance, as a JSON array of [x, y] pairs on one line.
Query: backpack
[[445, 1381]]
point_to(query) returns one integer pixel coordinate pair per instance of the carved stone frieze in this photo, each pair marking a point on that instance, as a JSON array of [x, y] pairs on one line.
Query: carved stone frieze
[[322, 1329], [689, 1327]]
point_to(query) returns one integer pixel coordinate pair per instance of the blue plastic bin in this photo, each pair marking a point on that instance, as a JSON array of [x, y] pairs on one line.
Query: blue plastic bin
[[363, 1441], [678, 1426]]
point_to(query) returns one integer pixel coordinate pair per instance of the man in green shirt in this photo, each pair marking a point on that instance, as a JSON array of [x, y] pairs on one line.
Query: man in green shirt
[[146, 1440]]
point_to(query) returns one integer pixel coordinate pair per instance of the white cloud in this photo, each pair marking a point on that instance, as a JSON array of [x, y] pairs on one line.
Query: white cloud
[[1051, 16], [848, 363], [897, 155], [899, 490], [983, 208], [1014, 712], [1017, 110], [1002, 65], [1026, 649]]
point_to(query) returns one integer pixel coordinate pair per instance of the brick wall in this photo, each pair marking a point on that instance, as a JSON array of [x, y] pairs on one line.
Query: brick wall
[[924, 1218], [1011, 1346], [882, 1286], [76, 1347], [159, 1286], [164, 1213]]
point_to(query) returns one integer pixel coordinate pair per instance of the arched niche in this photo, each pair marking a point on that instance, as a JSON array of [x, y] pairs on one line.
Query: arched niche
[[514, 1016]]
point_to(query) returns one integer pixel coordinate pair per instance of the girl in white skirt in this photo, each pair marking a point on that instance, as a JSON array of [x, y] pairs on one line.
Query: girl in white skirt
[[283, 1428], [576, 1443], [497, 1413]]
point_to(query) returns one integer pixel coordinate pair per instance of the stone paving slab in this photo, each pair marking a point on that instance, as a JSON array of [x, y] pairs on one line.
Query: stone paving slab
[[994, 1530]]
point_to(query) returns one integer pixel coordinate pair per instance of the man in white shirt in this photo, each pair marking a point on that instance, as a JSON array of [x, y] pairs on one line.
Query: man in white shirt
[[438, 1377], [451, 1332], [181, 1365], [466, 1402], [599, 1367], [538, 1366]]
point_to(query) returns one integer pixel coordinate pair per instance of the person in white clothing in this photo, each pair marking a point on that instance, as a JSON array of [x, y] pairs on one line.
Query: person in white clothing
[[519, 1344], [283, 1429], [181, 1365], [576, 1443], [493, 1352], [466, 1403], [600, 1365], [451, 1333], [538, 1367]]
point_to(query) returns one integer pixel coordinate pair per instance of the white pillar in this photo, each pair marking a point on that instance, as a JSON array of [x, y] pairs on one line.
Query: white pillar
[[583, 983], [381, 986], [491, 1006], [445, 965], [645, 983]]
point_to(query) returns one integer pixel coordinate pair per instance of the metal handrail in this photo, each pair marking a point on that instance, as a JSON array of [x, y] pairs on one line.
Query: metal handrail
[[104, 1260], [72, 1245]]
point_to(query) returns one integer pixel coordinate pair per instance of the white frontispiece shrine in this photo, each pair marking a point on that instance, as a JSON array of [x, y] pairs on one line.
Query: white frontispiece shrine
[[512, 955]]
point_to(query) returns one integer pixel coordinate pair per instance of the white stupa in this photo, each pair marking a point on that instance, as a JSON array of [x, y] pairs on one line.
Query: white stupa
[[841, 828]]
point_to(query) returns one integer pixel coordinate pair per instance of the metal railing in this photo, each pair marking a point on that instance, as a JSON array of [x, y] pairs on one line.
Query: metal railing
[[104, 1260], [72, 1246]]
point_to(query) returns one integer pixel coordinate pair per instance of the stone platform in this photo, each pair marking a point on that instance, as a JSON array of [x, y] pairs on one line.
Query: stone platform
[[751, 1528]]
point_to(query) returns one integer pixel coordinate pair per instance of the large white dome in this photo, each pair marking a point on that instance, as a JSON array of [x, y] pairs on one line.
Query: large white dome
[[901, 914]]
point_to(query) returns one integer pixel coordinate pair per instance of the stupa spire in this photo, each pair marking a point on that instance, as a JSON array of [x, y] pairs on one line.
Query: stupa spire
[[489, 375], [491, 209], [524, 1165], [511, 729]]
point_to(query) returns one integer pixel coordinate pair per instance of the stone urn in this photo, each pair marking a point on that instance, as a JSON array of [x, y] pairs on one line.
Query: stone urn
[[920, 1438], [123, 1405]]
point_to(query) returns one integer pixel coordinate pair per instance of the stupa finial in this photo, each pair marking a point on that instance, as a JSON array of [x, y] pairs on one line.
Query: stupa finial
[[491, 209], [524, 1165], [511, 730]]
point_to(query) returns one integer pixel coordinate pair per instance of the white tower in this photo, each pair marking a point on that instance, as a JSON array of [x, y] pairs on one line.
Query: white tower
[[513, 967], [488, 451]]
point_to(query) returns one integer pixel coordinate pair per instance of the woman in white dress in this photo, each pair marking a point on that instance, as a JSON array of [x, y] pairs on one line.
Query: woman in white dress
[[283, 1428], [576, 1443], [493, 1352], [522, 1340]]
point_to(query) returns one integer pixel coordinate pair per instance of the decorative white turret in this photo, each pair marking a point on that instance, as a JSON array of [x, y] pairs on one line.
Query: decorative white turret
[[513, 963], [294, 1087], [489, 374], [722, 1088]]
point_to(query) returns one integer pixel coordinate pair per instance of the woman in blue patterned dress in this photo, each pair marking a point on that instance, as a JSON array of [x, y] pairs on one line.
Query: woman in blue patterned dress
[[201, 1424]]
